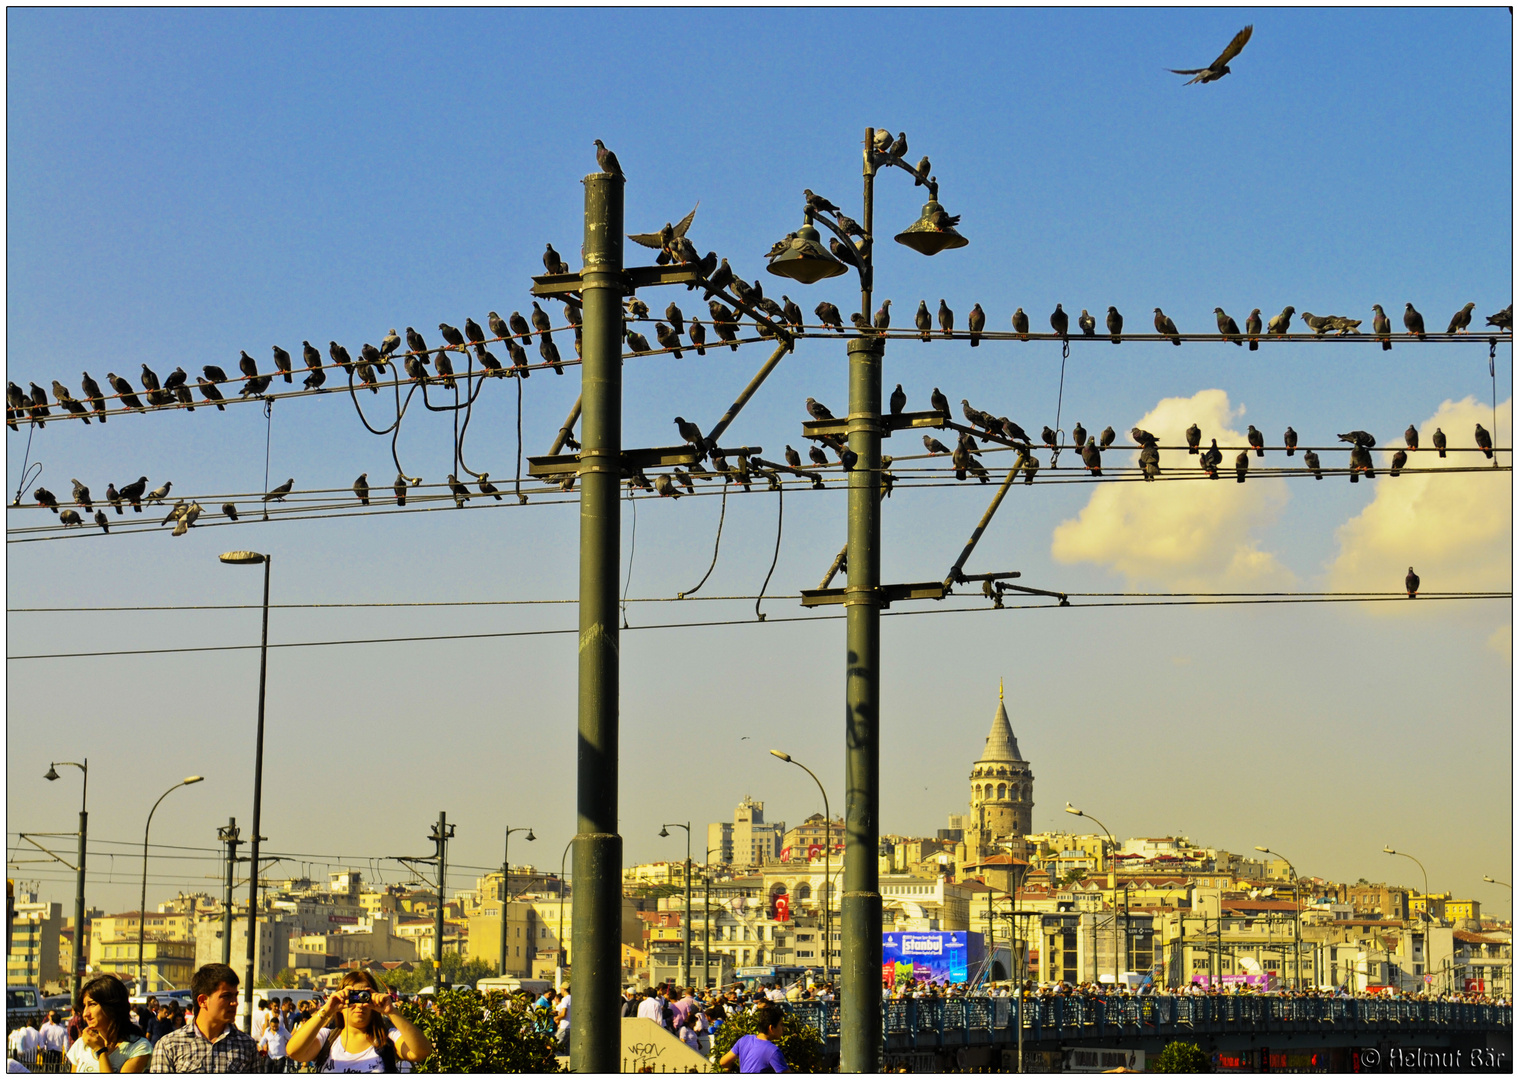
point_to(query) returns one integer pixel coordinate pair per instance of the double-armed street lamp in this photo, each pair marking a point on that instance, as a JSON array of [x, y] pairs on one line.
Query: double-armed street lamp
[[254, 558], [827, 857], [1113, 869], [142, 909], [802, 258], [506, 886], [685, 963], [1297, 917], [79, 939]]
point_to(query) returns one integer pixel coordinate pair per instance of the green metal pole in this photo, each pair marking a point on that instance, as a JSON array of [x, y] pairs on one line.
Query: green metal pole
[[439, 982], [229, 835], [860, 1043], [595, 1026]]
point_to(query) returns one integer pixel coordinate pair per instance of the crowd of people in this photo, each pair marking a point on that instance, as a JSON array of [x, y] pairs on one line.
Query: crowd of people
[[908, 988], [358, 1028]]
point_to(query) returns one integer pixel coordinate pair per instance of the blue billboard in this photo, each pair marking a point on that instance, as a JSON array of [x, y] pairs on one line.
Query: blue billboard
[[930, 955]]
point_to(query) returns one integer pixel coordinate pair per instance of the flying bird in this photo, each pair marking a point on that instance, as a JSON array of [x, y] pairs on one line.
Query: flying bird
[[1220, 67], [663, 241]]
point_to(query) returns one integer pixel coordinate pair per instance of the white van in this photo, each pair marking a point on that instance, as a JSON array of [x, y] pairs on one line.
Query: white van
[[511, 984]]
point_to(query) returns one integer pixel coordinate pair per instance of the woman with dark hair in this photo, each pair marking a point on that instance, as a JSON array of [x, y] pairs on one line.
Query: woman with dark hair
[[358, 1037], [109, 1042]]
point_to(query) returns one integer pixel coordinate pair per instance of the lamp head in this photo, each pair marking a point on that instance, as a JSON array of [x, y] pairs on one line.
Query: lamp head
[[51, 774], [1488, 879], [1389, 851], [1069, 809], [927, 236], [530, 835], [242, 557], [805, 259], [192, 779], [1265, 849], [663, 831], [778, 753]]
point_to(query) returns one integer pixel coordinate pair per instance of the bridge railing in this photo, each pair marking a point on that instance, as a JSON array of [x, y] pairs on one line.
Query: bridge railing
[[933, 1020]]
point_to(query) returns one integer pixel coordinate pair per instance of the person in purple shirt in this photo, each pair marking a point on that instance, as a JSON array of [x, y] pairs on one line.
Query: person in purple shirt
[[758, 1053]]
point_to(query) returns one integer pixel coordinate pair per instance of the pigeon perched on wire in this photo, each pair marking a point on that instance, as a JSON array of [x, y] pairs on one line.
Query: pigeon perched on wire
[[1411, 437], [520, 328], [92, 394], [861, 323], [445, 368], [400, 489], [159, 494], [519, 358], [230, 510], [1165, 325], [124, 391], [1060, 322], [66, 401], [1194, 439], [340, 357], [1381, 325], [636, 341], [1087, 323], [1220, 67], [1241, 466], [1049, 436], [550, 352], [1211, 459], [474, 334], [416, 366], [82, 496], [1360, 461], [1460, 320], [278, 494], [113, 497], [102, 521], [946, 319], [829, 316], [1091, 457], [1020, 324], [282, 360], [1115, 325], [1078, 435], [488, 488], [1107, 437], [934, 446], [70, 517], [149, 379], [665, 487], [1485, 441], [1227, 326], [176, 512], [1257, 440], [1289, 440], [1503, 320], [1319, 324], [883, 316], [1311, 461], [922, 320], [1399, 460], [817, 457], [361, 369], [1413, 322], [45, 498], [132, 493], [1015, 433], [361, 489], [488, 361], [976, 322], [1142, 437], [1279, 324], [1149, 463], [541, 321], [698, 335], [1438, 441], [1411, 584], [1358, 438], [1253, 328], [461, 493]]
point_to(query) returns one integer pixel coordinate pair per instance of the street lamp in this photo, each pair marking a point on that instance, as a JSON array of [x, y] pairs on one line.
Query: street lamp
[[1495, 881], [142, 908], [827, 856], [253, 558], [564, 954], [1406, 855], [1297, 920], [706, 907], [506, 887], [79, 942], [860, 1043], [685, 969], [1113, 869]]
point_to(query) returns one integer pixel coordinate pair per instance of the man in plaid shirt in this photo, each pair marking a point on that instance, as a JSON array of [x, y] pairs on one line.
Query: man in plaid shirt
[[211, 1043]]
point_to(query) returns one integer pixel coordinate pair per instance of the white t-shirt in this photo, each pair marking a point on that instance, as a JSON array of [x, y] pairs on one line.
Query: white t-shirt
[[274, 1038], [649, 1010], [82, 1059], [367, 1060], [54, 1037], [564, 1012], [260, 1021], [25, 1039]]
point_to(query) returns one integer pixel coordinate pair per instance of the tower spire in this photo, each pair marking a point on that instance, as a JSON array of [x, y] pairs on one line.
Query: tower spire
[[999, 687]]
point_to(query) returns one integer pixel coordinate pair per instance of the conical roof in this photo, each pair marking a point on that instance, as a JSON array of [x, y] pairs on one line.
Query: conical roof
[[1001, 744]]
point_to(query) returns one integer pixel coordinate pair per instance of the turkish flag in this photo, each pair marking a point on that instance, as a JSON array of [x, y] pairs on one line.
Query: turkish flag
[[782, 908], [814, 850]]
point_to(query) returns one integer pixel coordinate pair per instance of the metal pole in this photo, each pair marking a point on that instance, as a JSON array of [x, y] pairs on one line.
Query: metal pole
[[80, 940], [258, 794], [685, 976], [229, 837], [506, 892], [706, 930], [595, 1032], [142, 906], [439, 982], [860, 986]]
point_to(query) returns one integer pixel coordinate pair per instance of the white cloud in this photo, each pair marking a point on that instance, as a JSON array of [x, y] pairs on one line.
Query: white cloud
[[1174, 534], [1456, 530]]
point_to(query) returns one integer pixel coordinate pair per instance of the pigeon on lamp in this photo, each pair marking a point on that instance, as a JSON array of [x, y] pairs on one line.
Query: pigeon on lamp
[[1438, 439], [1381, 325], [1460, 320], [552, 262], [1194, 439], [1289, 440], [977, 323], [829, 316], [1311, 461], [1115, 324]]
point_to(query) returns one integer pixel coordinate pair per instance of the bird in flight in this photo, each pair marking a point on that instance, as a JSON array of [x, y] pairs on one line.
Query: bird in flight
[[1220, 67]]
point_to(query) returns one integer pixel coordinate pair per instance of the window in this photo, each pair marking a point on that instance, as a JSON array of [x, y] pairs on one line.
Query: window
[[1001, 791]]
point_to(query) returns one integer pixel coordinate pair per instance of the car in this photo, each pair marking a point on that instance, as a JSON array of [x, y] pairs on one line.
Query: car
[[61, 1002]]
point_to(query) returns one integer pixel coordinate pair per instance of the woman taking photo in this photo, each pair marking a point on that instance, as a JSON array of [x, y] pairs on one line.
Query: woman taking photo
[[350, 1032], [109, 1041]]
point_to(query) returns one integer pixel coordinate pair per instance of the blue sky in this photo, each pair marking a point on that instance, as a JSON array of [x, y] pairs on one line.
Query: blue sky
[[186, 184]]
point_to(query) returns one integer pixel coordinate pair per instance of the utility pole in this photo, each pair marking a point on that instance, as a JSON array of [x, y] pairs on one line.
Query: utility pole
[[595, 1032], [442, 833], [506, 887], [228, 836]]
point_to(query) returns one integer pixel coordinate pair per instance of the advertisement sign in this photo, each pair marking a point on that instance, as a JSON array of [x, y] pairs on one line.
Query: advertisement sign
[[930, 956]]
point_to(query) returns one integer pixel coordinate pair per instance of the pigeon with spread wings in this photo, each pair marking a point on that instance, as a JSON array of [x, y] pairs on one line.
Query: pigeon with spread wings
[[663, 241], [1220, 67]]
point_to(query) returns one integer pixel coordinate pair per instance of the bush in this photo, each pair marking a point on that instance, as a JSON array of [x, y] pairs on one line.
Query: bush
[[471, 1034], [800, 1043], [1181, 1057]]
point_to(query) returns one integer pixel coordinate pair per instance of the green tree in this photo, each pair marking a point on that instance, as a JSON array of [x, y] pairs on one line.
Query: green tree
[[1182, 1057], [800, 1043], [469, 1038]]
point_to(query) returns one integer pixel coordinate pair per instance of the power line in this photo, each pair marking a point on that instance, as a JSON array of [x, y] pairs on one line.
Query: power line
[[1024, 606]]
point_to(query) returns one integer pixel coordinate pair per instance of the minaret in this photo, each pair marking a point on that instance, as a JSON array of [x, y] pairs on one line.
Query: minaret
[[1001, 793]]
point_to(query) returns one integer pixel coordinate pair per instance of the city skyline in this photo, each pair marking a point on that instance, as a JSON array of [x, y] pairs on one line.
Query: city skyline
[[258, 193]]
